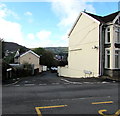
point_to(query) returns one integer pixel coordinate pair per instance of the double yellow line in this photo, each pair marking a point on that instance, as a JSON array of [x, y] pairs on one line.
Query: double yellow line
[[39, 112], [106, 102]]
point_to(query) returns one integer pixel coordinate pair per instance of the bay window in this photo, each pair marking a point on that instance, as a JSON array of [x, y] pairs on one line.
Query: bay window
[[107, 38], [107, 59], [117, 34], [117, 58]]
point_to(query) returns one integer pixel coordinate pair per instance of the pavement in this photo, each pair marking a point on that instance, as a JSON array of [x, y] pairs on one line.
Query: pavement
[[52, 78], [18, 79], [90, 79], [48, 94]]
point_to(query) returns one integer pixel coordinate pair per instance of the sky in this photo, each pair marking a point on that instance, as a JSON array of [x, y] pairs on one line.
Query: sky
[[46, 24]]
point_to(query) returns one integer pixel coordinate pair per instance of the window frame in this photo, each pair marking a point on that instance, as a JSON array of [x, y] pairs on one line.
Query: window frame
[[117, 34], [117, 54], [106, 35], [107, 66]]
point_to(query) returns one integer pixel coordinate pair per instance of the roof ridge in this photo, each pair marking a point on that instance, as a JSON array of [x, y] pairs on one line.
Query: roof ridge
[[112, 13], [93, 14], [99, 18], [104, 19]]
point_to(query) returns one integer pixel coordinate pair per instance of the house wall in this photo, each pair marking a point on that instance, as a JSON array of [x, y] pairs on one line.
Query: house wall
[[83, 56], [113, 72], [16, 60], [30, 58]]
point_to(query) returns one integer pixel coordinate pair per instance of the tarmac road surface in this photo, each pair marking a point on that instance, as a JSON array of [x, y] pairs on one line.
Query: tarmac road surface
[[49, 94]]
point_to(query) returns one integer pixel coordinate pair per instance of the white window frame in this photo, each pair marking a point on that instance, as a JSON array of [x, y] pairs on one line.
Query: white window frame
[[117, 19], [106, 35], [106, 59], [117, 34], [117, 54]]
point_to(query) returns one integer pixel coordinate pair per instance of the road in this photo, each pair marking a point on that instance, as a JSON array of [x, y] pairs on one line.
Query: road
[[49, 94]]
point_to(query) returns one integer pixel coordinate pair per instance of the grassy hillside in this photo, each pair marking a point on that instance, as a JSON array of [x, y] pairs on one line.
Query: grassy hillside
[[57, 50], [11, 46], [14, 47]]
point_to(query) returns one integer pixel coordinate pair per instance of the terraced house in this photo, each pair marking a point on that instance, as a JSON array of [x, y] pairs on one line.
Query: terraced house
[[94, 47]]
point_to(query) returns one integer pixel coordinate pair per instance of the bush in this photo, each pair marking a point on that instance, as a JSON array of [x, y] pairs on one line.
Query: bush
[[5, 66], [17, 71]]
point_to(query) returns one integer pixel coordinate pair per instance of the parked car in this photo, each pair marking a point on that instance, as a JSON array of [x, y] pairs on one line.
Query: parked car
[[53, 69]]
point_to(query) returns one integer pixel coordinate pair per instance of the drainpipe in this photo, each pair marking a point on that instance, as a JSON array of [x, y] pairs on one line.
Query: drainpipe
[[101, 49]]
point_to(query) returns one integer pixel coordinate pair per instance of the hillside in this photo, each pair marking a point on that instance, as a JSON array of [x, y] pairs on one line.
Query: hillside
[[11, 46], [57, 50]]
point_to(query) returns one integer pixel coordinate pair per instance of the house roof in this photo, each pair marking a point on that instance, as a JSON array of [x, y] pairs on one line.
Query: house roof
[[30, 51], [104, 19], [101, 19]]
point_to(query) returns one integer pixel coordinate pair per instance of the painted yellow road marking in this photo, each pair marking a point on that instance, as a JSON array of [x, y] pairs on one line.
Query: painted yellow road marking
[[118, 112], [52, 106], [104, 110], [39, 112], [106, 102], [101, 111]]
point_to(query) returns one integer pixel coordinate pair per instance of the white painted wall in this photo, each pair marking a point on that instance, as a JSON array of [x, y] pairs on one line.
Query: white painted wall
[[82, 55]]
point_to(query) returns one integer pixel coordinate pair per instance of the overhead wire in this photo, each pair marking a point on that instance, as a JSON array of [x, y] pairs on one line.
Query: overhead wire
[[81, 40]]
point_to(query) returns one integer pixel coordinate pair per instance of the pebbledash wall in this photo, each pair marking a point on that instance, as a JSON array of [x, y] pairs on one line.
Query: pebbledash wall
[[83, 59]]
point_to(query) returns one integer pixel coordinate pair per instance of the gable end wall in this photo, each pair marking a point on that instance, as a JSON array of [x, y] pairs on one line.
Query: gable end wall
[[83, 56]]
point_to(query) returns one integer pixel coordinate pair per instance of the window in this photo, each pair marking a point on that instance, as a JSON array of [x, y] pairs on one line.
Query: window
[[117, 57], [119, 20], [107, 35], [107, 60], [117, 34]]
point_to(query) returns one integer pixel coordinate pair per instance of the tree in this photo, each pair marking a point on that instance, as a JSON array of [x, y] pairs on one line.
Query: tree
[[10, 58], [47, 57], [39, 51]]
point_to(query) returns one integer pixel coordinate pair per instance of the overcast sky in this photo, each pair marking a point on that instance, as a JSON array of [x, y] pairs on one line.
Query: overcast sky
[[45, 24]]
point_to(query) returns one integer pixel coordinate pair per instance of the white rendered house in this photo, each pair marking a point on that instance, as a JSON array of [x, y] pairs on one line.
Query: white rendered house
[[94, 47]]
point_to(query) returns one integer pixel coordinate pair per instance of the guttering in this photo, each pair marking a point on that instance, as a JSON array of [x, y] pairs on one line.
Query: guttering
[[100, 49]]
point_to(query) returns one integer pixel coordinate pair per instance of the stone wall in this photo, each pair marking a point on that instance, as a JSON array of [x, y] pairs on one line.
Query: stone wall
[[113, 74]]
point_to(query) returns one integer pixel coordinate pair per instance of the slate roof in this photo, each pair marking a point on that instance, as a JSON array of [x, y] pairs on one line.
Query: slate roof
[[99, 18], [104, 19], [110, 17]]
